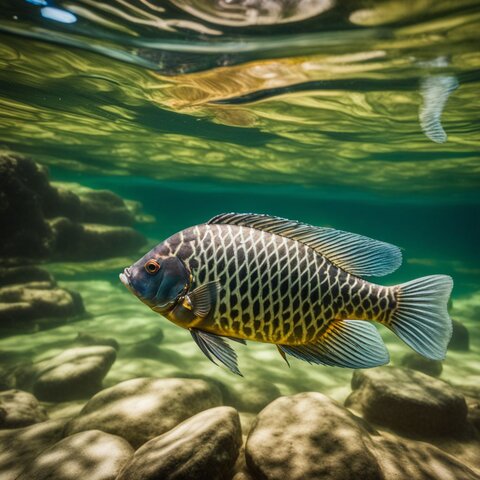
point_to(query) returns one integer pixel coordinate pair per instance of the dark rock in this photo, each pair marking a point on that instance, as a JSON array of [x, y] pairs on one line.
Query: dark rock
[[472, 397], [91, 455], [77, 242], [20, 446], [143, 349], [143, 408], [24, 274], [23, 186], [408, 401], [157, 336], [29, 204], [74, 373], [460, 340], [203, 447], [309, 436], [416, 362], [251, 396], [87, 339], [7, 377], [20, 409]]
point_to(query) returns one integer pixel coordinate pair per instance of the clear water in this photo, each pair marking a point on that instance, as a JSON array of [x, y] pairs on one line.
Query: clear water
[[195, 108]]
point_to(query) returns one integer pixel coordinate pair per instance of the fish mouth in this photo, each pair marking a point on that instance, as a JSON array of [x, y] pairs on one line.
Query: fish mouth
[[125, 278]]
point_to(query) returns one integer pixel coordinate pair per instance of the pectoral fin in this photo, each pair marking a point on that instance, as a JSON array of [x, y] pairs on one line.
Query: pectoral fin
[[202, 299], [283, 355], [215, 347]]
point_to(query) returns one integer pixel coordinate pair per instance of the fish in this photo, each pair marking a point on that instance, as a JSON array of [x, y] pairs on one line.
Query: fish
[[254, 277]]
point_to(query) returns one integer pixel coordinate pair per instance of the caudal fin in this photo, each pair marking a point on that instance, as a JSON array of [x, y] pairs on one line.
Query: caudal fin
[[421, 319]]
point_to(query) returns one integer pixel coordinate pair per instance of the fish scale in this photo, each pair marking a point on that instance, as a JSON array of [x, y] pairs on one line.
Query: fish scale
[[295, 274]]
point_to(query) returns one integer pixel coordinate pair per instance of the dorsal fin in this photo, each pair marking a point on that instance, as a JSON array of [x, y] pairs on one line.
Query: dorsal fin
[[353, 253]]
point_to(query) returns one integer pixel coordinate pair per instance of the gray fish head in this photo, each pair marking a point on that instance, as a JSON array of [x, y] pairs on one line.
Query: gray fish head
[[157, 281]]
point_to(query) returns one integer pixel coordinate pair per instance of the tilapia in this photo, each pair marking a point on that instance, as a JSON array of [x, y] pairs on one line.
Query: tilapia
[[268, 279]]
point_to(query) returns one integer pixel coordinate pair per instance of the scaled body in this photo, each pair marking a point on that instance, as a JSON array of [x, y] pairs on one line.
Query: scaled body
[[267, 279]]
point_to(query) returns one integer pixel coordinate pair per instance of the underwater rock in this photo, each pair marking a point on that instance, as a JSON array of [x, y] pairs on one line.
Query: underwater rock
[[34, 305], [92, 340], [203, 447], [103, 206], [91, 455], [143, 349], [472, 397], [23, 186], [41, 221], [74, 373], [408, 401], [240, 470], [20, 446], [409, 459], [309, 436], [250, 396], [20, 409], [78, 242], [143, 408], [24, 275], [460, 340], [417, 362], [54, 302]]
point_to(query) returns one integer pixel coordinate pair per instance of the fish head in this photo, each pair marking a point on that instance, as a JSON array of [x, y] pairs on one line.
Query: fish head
[[157, 281]]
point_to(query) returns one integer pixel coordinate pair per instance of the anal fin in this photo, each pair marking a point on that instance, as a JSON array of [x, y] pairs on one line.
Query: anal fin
[[345, 343], [215, 347]]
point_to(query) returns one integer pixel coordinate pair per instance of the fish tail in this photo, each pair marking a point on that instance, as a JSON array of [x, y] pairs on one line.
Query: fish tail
[[420, 317]]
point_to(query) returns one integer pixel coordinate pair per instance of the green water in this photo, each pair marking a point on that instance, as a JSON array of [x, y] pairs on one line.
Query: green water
[[193, 112]]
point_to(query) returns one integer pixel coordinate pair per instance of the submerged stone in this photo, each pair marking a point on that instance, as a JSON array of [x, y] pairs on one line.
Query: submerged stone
[[22, 275], [20, 446], [408, 401], [203, 447], [406, 459], [88, 339], [20, 409], [416, 362], [250, 396], [74, 373], [79, 241], [307, 437], [91, 455], [143, 408], [460, 340]]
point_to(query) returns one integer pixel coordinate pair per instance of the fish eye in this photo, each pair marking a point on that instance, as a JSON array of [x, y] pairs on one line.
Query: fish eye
[[152, 267]]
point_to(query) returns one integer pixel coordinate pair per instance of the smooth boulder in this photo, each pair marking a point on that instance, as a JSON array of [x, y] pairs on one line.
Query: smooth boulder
[[143, 408], [20, 409], [75, 373], [460, 340], [18, 447], [91, 455], [408, 401], [36, 305], [401, 459], [309, 437], [203, 447]]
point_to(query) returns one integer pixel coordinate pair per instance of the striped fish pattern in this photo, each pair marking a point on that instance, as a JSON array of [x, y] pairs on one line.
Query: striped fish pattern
[[267, 279]]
